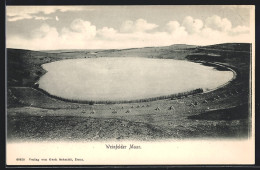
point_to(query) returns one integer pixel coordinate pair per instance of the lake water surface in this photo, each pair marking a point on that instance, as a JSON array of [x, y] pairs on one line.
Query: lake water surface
[[115, 78]]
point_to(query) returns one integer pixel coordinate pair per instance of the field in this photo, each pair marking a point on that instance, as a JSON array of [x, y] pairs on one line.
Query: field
[[222, 113]]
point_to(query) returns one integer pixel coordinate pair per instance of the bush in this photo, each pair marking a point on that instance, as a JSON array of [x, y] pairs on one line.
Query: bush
[[91, 103]]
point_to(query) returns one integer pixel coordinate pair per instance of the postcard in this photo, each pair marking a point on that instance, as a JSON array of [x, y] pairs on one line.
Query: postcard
[[130, 85]]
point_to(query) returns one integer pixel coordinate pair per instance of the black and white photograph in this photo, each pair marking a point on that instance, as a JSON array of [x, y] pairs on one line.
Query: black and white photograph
[[122, 85]]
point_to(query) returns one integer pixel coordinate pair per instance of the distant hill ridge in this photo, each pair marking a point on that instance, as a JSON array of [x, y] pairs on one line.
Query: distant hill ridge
[[230, 46], [223, 46], [182, 46]]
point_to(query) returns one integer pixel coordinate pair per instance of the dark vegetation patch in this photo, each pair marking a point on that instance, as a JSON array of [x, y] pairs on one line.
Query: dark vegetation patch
[[239, 47], [217, 67], [235, 113], [219, 129]]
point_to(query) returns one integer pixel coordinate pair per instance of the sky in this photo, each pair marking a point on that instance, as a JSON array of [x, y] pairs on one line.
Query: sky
[[119, 27]]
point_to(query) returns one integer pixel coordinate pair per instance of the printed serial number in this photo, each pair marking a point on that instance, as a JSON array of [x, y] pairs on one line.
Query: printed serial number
[[20, 159]]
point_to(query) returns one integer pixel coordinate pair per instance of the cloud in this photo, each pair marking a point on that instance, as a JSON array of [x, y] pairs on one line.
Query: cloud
[[15, 13], [83, 27], [42, 18], [192, 25], [44, 31], [140, 25], [240, 30], [173, 25], [176, 30], [218, 23], [44, 37], [107, 33], [17, 18], [81, 34]]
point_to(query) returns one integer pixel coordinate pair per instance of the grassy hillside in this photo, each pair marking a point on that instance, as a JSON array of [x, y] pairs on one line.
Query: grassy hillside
[[220, 113]]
